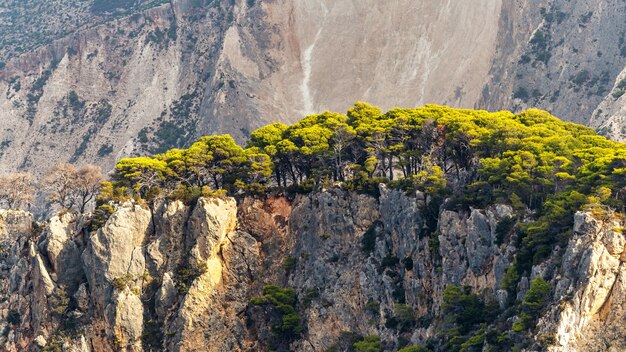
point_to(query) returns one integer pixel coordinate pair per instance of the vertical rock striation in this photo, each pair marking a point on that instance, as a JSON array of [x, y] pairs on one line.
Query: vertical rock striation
[[184, 277]]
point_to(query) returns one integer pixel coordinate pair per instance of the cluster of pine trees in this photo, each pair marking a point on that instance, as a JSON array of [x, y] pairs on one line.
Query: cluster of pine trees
[[531, 159]]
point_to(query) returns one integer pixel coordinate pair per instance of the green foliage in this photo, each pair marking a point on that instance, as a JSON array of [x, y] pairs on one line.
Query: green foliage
[[368, 241], [187, 273], [510, 278], [289, 263], [531, 160], [100, 216], [414, 349], [100, 6], [372, 306], [122, 282], [189, 195], [474, 343], [463, 312], [528, 159], [521, 93], [403, 318], [534, 301], [59, 302], [345, 342], [105, 150], [369, 343], [503, 228], [408, 263], [186, 174], [54, 344], [289, 324], [389, 261], [309, 295], [581, 77], [433, 246]]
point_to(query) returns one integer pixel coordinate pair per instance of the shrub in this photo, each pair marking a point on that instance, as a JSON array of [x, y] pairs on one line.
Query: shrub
[[309, 295], [414, 349], [105, 150], [372, 306], [581, 77], [534, 301], [289, 325], [433, 245], [59, 302], [404, 317], [100, 216], [188, 195], [121, 283], [289, 263], [503, 228], [345, 342], [408, 263], [463, 312], [389, 261], [521, 93], [511, 278], [369, 343], [368, 241]]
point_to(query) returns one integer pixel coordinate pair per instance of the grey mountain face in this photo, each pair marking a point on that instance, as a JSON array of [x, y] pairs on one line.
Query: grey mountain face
[[93, 81]]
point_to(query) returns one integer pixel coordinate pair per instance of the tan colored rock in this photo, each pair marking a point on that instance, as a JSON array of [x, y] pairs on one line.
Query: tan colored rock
[[126, 320], [209, 315], [114, 263], [211, 221], [116, 250], [591, 279]]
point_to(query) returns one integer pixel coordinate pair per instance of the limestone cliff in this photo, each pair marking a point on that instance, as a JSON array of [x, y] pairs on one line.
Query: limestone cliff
[[185, 277], [96, 80]]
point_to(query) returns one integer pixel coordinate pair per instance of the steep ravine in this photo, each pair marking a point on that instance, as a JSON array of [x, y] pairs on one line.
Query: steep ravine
[[184, 278]]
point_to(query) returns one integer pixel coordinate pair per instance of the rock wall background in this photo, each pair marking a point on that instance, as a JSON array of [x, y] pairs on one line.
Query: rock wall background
[[93, 84]]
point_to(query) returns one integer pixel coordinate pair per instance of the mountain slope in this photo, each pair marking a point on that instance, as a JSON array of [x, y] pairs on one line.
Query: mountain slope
[[143, 78]]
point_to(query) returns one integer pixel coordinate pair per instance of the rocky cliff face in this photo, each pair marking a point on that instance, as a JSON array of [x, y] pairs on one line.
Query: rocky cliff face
[[95, 83], [590, 289], [184, 278]]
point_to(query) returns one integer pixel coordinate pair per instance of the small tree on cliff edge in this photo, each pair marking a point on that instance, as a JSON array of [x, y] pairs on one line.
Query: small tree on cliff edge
[[72, 187], [16, 190]]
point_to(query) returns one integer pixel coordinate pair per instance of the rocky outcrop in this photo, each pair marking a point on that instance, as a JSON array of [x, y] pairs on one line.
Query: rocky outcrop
[[114, 263], [589, 289], [141, 282], [344, 282], [183, 277]]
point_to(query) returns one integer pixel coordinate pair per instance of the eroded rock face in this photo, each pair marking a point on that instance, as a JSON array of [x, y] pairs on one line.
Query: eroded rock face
[[114, 263], [182, 277], [590, 288]]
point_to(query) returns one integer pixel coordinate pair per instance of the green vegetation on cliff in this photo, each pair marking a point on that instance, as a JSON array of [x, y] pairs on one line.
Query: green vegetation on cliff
[[546, 169], [531, 160]]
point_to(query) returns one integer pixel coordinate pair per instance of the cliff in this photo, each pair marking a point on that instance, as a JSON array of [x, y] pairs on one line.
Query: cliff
[[185, 277]]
